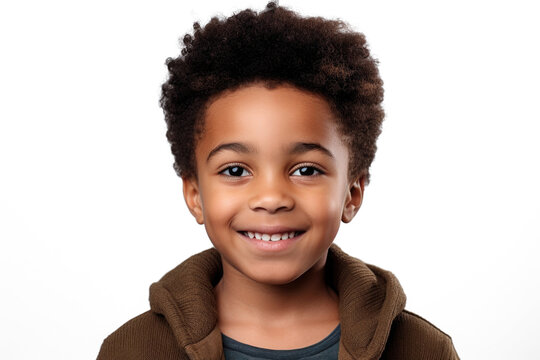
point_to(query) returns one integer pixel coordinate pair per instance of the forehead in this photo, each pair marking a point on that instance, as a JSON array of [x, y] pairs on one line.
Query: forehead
[[260, 113]]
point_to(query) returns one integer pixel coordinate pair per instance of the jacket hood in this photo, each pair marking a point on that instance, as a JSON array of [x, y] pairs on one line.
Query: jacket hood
[[369, 300]]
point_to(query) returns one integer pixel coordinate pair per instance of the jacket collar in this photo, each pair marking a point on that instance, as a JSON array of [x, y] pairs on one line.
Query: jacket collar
[[369, 300]]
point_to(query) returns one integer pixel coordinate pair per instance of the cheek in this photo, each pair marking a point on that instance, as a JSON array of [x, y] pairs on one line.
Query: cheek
[[219, 206], [326, 209]]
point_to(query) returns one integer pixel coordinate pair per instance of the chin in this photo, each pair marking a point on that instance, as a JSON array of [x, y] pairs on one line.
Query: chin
[[274, 276]]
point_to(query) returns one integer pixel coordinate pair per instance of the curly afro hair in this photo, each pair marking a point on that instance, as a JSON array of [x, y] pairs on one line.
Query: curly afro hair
[[275, 46]]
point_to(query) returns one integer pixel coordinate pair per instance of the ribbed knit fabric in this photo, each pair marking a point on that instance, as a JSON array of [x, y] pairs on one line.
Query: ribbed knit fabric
[[182, 322]]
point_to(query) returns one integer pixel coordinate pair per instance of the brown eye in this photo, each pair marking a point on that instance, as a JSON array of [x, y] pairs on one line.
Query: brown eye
[[235, 171], [306, 171]]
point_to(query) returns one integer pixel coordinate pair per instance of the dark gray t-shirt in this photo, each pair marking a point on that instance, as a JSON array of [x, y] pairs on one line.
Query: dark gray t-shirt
[[326, 349]]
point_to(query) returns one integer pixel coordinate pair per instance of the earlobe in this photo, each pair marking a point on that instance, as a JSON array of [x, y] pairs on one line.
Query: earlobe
[[355, 195], [192, 197]]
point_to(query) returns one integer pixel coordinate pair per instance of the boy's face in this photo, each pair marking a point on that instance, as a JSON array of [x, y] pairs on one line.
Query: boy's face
[[271, 163]]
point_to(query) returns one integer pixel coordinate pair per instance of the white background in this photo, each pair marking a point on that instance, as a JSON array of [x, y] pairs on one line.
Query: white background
[[91, 211]]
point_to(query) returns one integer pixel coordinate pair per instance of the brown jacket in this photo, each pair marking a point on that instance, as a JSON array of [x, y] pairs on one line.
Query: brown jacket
[[182, 322]]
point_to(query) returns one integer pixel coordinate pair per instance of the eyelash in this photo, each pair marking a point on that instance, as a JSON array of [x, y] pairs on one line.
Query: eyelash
[[228, 169], [232, 166], [309, 166]]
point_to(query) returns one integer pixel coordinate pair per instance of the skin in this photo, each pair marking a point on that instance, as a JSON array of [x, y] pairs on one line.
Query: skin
[[270, 181]]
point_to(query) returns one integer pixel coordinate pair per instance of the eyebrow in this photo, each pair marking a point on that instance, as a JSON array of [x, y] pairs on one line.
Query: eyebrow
[[296, 148], [301, 148], [236, 147]]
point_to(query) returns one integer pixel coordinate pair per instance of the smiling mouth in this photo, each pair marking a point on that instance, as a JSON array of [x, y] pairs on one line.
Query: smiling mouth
[[272, 237]]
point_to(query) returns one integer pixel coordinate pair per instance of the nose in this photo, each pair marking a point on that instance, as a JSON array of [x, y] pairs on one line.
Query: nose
[[271, 195]]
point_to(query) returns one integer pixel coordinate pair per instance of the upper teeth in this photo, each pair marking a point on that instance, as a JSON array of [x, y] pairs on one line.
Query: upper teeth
[[270, 237]]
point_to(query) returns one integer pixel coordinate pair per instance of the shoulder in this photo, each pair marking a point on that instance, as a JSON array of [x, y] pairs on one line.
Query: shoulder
[[145, 337], [412, 337]]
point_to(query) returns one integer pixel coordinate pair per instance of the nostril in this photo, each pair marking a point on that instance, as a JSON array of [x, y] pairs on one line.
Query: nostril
[[271, 203]]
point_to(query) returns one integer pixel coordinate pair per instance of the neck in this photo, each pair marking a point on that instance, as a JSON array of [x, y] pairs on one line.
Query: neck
[[269, 305]]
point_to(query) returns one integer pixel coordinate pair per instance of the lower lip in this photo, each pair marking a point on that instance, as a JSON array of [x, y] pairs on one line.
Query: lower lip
[[272, 246]]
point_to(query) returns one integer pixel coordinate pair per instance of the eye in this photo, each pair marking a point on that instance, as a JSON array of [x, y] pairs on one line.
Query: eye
[[307, 171], [235, 171]]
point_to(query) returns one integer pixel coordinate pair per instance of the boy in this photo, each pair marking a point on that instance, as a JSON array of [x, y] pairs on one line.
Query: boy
[[272, 120]]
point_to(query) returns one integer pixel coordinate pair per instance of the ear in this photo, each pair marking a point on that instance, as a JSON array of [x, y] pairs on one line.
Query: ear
[[355, 195], [192, 196]]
